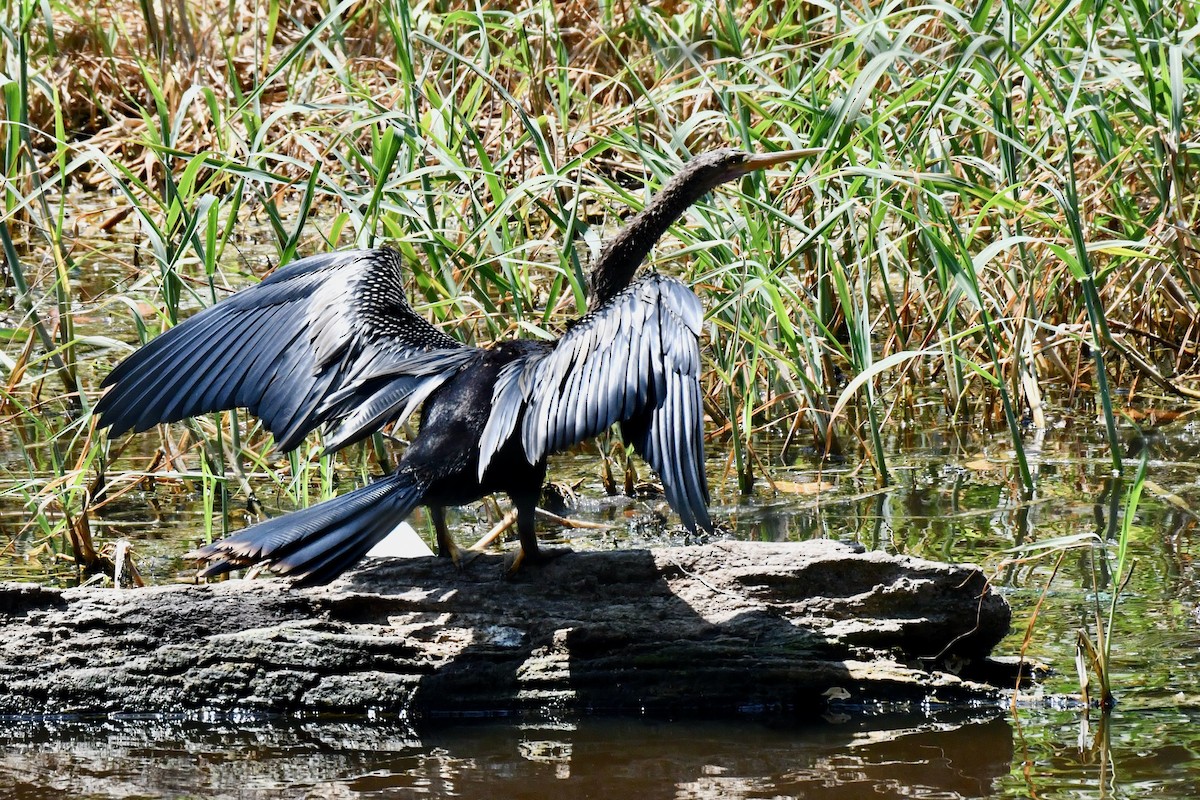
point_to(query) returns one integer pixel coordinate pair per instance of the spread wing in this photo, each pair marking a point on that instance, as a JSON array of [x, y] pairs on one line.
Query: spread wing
[[635, 360], [293, 350]]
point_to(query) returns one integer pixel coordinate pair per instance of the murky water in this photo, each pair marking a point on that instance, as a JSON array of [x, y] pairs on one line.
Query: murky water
[[1046, 755], [953, 499], [961, 757]]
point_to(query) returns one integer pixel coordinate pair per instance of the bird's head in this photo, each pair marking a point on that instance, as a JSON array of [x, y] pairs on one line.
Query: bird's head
[[710, 170], [624, 253]]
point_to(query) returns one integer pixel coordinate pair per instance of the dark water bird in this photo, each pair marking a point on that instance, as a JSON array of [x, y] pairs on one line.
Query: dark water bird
[[330, 341]]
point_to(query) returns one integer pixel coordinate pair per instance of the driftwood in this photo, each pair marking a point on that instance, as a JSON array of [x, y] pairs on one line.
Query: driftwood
[[708, 629]]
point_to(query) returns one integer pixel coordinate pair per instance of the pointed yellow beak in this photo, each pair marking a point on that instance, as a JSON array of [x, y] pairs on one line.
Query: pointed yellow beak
[[763, 160]]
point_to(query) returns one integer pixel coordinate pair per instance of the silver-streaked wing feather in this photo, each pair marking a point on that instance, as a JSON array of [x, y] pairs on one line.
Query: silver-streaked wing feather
[[635, 360], [301, 349], [678, 460]]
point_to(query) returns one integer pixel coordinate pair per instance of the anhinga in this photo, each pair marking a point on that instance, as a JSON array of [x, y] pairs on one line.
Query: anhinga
[[331, 341]]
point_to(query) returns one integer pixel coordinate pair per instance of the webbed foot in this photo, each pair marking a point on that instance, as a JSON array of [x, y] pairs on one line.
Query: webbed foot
[[516, 559]]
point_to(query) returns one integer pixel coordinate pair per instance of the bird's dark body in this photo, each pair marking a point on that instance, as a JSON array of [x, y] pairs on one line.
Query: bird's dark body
[[446, 448], [331, 341]]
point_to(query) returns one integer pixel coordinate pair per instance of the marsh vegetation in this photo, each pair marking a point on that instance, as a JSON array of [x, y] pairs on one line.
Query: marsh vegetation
[[971, 304]]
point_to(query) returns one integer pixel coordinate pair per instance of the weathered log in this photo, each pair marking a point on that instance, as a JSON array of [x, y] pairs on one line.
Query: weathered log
[[707, 629]]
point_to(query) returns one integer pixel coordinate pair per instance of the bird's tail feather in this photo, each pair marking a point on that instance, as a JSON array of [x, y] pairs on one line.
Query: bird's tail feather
[[319, 543]]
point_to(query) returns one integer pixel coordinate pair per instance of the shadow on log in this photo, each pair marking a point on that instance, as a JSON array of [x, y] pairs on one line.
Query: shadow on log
[[709, 630]]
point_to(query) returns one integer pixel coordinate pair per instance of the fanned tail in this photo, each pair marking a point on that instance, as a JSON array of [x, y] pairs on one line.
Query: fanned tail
[[317, 544]]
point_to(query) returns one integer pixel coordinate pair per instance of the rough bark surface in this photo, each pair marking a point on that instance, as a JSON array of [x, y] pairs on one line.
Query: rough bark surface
[[707, 629]]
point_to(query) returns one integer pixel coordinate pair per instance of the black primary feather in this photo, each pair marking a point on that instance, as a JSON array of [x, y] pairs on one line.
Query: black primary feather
[[283, 348]]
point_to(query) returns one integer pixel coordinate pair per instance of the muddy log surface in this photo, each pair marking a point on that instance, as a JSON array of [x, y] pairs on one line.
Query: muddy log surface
[[710, 629]]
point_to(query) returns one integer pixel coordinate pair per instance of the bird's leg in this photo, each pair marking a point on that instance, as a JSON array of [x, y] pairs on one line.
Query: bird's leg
[[526, 532], [527, 528], [446, 548], [530, 552]]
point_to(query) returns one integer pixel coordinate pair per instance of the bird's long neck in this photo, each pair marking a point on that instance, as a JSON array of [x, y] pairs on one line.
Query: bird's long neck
[[625, 252]]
